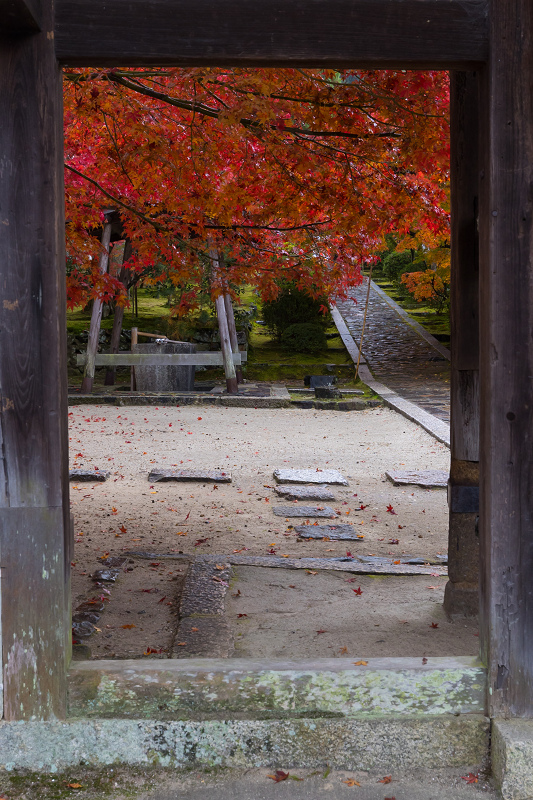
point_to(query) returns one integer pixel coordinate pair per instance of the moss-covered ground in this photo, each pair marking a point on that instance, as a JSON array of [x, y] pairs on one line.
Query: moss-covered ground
[[438, 324], [267, 360]]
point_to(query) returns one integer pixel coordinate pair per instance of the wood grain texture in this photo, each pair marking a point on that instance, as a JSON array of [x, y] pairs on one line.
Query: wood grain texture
[[124, 359], [20, 16], [356, 33], [506, 361], [35, 609], [34, 519]]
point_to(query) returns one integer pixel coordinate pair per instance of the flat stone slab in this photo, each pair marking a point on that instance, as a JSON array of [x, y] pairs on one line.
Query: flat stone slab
[[205, 587], [296, 492], [360, 565], [203, 636], [427, 478], [340, 532], [310, 476], [304, 511], [88, 475], [200, 475]]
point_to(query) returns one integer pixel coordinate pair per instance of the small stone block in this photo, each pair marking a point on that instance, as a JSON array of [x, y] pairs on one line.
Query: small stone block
[[107, 575], [199, 475], [115, 562], [296, 492], [427, 478], [304, 511], [327, 393], [319, 380], [93, 607], [331, 476], [340, 532], [512, 757], [88, 475]]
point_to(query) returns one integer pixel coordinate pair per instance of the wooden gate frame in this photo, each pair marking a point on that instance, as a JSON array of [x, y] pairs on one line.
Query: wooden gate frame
[[485, 42]]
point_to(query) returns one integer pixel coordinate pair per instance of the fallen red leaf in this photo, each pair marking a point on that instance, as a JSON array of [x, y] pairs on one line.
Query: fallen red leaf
[[358, 591], [391, 510], [321, 631], [471, 777], [434, 625], [130, 625], [279, 775], [386, 779]]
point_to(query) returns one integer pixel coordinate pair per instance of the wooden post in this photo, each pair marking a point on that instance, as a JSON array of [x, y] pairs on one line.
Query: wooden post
[[506, 360], [462, 590], [229, 367], [230, 316], [118, 318], [96, 316], [35, 529], [134, 342]]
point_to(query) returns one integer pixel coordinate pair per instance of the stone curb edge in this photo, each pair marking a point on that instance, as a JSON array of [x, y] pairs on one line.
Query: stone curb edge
[[412, 322], [434, 426]]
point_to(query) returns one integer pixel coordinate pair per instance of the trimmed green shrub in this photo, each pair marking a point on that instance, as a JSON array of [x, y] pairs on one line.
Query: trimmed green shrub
[[394, 264], [304, 337], [293, 306]]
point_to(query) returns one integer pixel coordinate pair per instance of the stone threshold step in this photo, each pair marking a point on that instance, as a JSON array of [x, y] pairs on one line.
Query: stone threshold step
[[387, 744], [204, 688]]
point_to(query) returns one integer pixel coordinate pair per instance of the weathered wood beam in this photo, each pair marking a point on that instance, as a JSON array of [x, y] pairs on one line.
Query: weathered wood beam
[[161, 359], [462, 590], [424, 34], [506, 361], [20, 16], [34, 517]]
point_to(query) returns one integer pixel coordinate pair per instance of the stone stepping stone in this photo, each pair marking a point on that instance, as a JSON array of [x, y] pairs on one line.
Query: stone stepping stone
[[304, 511], [427, 478], [199, 475], [340, 532], [296, 492], [87, 475], [310, 476]]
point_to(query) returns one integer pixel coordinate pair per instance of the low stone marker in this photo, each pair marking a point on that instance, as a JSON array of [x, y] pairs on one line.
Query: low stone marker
[[427, 478], [339, 532], [88, 475], [304, 511], [200, 475], [331, 476], [319, 492]]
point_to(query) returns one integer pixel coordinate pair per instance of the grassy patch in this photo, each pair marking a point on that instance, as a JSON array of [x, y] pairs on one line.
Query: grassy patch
[[436, 324], [152, 310]]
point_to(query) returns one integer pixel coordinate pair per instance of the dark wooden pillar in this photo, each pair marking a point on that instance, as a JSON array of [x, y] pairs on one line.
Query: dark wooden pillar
[[34, 518], [462, 590], [506, 360]]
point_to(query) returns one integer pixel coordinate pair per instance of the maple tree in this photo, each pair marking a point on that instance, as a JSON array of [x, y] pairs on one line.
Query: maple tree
[[287, 173]]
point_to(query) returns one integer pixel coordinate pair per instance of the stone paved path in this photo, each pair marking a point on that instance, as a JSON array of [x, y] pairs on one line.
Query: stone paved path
[[397, 355]]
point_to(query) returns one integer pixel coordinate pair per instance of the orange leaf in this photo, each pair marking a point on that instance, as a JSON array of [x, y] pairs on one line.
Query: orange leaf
[[352, 782], [130, 625], [386, 779], [360, 663]]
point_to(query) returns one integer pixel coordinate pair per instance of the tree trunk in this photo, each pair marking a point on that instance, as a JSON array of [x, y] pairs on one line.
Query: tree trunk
[[118, 318], [96, 317], [229, 367], [230, 316]]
